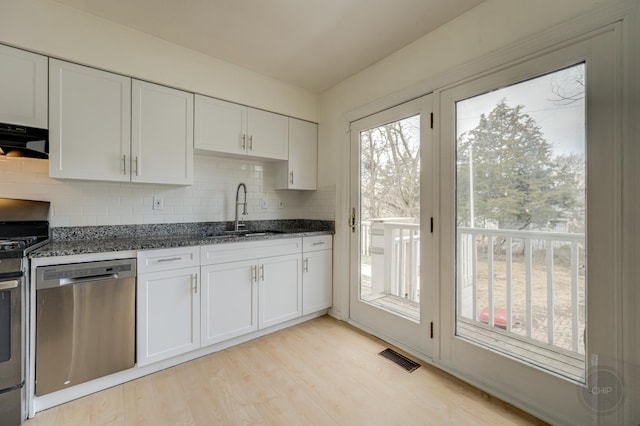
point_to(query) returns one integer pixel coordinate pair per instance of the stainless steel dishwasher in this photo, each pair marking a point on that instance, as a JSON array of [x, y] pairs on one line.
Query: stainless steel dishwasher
[[85, 322]]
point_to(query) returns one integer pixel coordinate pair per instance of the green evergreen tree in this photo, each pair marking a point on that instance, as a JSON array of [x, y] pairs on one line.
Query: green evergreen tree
[[517, 184]]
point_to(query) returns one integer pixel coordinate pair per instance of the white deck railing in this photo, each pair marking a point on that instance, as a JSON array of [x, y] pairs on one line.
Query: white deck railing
[[472, 241], [394, 247]]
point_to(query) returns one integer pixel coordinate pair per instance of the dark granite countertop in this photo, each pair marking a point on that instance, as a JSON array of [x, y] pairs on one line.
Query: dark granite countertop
[[101, 239]]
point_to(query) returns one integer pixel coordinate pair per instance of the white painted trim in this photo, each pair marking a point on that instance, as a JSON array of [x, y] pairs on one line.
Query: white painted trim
[[560, 399]]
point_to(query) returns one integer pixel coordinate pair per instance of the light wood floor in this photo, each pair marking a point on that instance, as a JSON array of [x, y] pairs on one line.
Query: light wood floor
[[322, 372]]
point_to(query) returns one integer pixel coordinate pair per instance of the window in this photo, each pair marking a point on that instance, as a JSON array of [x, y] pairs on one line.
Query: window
[[520, 220]]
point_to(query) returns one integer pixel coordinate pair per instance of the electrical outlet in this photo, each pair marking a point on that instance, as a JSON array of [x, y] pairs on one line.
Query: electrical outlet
[[263, 204], [281, 204], [158, 203]]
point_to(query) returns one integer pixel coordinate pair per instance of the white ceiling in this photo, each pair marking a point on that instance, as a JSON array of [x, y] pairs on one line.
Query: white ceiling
[[312, 44]]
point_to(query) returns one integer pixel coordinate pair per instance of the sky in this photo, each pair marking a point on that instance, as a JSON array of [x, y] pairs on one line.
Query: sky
[[562, 123]]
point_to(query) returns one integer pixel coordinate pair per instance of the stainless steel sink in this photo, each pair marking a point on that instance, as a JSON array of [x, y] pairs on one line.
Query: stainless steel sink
[[243, 233]]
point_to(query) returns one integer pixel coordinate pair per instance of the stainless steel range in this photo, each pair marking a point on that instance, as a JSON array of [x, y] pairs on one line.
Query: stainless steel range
[[23, 228]]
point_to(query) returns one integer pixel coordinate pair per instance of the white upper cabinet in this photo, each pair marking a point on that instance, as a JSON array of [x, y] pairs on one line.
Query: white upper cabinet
[[220, 126], [162, 134], [268, 134], [90, 128], [23, 88], [227, 128], [94, 134], [300, 171]]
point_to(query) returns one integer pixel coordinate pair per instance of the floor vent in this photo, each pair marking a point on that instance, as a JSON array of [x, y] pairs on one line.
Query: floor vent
[[399, 359]]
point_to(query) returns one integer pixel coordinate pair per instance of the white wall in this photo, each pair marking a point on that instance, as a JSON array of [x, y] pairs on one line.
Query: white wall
[[211, 198], [55, 30]]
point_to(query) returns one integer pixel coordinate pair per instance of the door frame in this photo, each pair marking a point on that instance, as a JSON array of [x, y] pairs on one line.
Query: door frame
[[415, 338]]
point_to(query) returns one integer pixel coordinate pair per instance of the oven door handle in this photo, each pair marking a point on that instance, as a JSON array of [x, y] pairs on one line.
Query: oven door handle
[[8, 285]]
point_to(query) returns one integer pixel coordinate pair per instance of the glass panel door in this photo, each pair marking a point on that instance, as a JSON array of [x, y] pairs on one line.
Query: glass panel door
[[390, 217], [520, 232], [389, 150]]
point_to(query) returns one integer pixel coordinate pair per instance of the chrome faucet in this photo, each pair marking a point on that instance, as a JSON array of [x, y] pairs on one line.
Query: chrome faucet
[[239, 225]]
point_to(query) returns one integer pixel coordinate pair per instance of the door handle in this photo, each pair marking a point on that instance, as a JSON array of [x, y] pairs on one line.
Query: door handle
[[353, 220], [8, 285]]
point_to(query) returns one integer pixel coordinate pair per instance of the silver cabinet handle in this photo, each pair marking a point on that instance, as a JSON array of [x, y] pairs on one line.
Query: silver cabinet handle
[[253, 273], [250, 142], [262, 272], [124, 164], [8, 285], [291, 176], [319, 243], [244, 141], [195, 287], [169, 259], [306, 264], [137, 166]]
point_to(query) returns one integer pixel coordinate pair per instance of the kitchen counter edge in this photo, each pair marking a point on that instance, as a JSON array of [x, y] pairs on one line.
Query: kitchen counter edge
[[102, 245]]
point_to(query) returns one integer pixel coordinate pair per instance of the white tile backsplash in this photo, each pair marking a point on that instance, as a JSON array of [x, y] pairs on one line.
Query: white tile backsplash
[[211, 198]]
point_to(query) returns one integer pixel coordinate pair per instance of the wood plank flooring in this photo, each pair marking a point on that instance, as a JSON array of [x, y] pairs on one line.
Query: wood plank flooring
[[322, 372]]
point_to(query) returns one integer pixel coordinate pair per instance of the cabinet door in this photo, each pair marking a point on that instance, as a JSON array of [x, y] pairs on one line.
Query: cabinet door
[[280, 289], [268, 134], [23, 87], [301, 170], [220, 126], [90, 127], [229, 301], [168, 314], [316, 281], [161, 134]]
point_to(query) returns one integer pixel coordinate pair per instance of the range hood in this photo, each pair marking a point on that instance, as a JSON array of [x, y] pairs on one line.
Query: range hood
[[23, 141]]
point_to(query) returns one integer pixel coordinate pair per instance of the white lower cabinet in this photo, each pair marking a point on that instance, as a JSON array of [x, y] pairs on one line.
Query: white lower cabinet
[[229, 301], [279, 289], [168, 301], [317, 275], [193, 297], [249, 286]]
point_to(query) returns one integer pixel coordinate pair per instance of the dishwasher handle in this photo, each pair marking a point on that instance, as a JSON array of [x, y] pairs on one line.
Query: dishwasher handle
[[88, 279], [56, 276]]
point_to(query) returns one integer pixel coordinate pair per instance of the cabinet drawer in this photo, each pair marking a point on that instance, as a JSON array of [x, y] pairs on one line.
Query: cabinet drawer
[[166, 259], [321, 242], [232, 252]]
